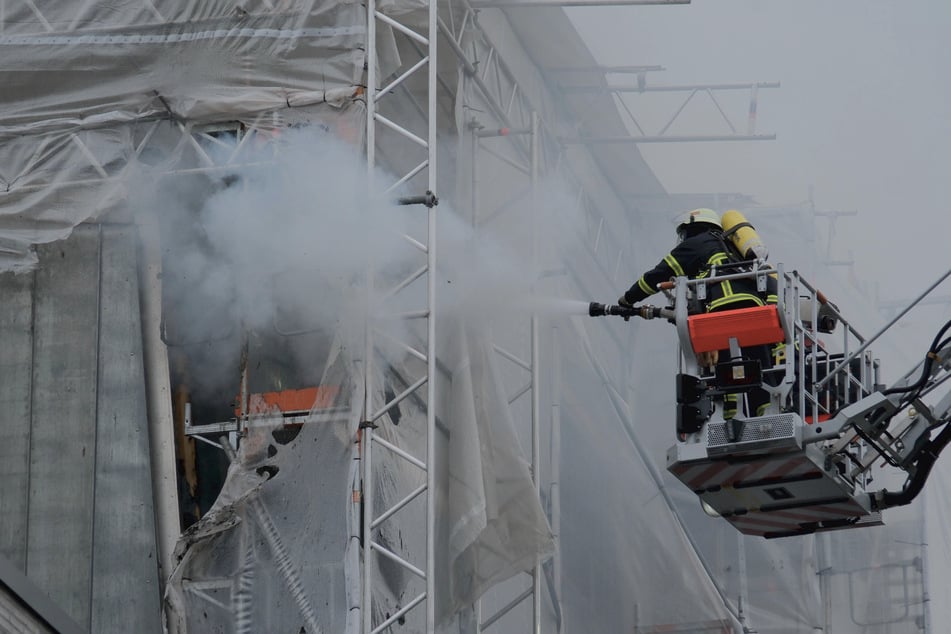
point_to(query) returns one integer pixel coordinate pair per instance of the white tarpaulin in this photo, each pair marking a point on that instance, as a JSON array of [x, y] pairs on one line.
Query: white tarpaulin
[[497, 525]]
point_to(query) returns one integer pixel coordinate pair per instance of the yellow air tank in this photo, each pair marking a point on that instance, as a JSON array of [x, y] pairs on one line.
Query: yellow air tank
[[743, 235]]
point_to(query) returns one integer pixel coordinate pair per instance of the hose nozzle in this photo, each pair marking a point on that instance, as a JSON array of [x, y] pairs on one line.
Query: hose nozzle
[[600, 310], [646, 312]]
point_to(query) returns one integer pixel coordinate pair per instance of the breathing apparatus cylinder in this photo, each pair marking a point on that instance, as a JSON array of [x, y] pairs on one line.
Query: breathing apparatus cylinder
[[738, 229]]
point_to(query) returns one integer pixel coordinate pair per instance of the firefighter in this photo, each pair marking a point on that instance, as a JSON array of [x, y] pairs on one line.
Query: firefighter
[[701, 247]]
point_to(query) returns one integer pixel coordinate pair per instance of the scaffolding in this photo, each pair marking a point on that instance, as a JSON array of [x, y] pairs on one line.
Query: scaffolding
[[424, 564], [511, 131]]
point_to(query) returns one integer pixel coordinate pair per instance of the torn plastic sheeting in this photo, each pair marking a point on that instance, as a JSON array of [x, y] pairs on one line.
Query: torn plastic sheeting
[[221, 518], [497, 525], [264, 532], [254, 551]]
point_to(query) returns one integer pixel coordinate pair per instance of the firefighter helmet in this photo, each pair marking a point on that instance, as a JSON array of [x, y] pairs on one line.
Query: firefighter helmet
[[703, 215]]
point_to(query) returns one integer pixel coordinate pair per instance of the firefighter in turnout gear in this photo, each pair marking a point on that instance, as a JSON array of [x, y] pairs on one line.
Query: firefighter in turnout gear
[[701, 248]]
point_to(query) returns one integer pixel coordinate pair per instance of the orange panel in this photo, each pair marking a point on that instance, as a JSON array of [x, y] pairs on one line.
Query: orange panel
[[288, 401], [751, 327]]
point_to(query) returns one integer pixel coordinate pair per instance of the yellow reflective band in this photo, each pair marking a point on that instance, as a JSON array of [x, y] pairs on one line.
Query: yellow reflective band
[[759, 301], [644, 286], [731, 299], [761, 409], [772, 299], [674, 264]]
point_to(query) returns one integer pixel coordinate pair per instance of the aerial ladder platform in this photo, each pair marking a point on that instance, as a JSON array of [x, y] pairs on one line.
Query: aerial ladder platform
[[804, 463]]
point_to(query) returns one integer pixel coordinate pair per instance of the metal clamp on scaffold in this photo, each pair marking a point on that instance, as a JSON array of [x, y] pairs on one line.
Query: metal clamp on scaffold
[[429, 199]]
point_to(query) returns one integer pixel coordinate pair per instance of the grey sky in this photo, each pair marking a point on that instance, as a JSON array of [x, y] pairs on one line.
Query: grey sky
[[862, 113]]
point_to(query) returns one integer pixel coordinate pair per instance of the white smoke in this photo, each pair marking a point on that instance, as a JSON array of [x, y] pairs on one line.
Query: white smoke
[[283, 245]]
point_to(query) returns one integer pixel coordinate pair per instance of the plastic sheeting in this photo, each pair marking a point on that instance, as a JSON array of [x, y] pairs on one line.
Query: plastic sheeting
[[70, 66], [250, 564], [497, 525], [95, 93], [631, 559]]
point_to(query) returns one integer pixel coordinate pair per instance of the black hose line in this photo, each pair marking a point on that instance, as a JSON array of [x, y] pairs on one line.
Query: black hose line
[[929, 455]]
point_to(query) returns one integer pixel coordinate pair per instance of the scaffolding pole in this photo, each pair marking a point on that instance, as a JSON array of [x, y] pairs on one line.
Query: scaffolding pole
[[420, 564], [536, 396]]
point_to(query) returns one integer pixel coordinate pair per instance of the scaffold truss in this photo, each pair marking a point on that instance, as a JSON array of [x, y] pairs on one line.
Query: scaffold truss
[[373, 548]]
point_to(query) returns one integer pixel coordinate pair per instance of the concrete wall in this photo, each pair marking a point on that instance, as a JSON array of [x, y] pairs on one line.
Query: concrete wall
[[75, 485]]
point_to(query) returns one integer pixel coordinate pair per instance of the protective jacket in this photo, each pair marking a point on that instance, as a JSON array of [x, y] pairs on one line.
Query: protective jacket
[[693, 258]]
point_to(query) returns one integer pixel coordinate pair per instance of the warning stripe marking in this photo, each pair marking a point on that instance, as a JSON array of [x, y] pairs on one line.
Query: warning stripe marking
[[707, 474], [722, 473], [680, 469], [746, 473], [719, 473], [728, 475], [788, 467]]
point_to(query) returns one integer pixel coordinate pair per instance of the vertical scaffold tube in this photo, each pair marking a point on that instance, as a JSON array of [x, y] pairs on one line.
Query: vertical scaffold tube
[[555, 458], [366, 431], [431, 336], [159, 403], [536, 397]]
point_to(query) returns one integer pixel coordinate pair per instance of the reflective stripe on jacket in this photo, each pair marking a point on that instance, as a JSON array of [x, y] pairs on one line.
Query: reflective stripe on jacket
[[693, 258]]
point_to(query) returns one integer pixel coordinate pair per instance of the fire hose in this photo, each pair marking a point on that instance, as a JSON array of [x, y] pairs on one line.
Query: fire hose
[[644, 312]]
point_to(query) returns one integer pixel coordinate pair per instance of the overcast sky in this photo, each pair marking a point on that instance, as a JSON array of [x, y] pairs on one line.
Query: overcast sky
[[863, 114]]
